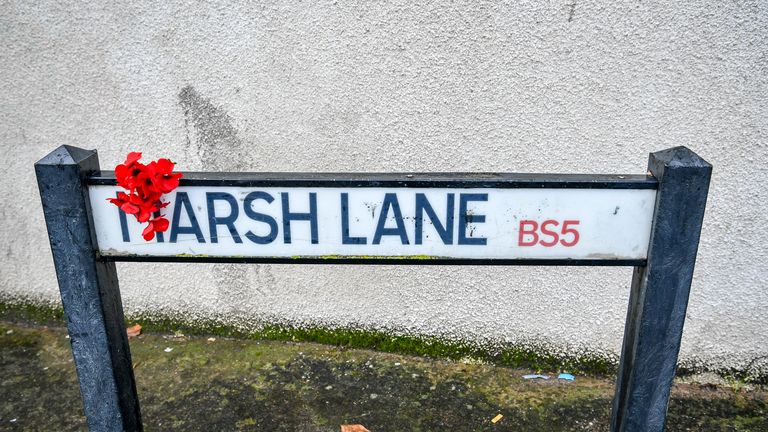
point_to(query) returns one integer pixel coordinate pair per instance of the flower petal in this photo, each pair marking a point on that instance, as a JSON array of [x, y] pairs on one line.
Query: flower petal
[[164, 166], [168, 184], [148, 233], [143, 216], [160, 224], [129, 208], [132, 157], [121, 174]]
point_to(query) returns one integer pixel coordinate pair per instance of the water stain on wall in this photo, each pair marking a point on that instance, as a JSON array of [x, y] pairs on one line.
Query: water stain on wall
[[571, 10], [216, 140], [220, 148]]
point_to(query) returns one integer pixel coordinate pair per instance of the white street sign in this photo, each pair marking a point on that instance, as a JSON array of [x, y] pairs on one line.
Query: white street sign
[[371, 222]]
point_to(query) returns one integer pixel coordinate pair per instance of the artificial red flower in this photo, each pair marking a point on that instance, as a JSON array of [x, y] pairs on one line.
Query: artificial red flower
[[146, 185], [127, 172], [165, 179]]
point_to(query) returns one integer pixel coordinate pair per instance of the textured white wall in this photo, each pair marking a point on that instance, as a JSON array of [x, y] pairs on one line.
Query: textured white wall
[[567, 86]]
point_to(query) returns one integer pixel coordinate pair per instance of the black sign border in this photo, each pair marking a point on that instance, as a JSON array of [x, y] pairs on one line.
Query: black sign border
[[468, 180]]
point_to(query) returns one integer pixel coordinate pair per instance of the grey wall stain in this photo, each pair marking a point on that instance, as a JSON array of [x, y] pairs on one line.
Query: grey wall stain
[[571, 10], [220, 148], [216, 139]]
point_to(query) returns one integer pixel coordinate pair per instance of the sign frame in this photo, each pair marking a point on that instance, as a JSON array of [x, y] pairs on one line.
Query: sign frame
[[658, 300], [453, 181]]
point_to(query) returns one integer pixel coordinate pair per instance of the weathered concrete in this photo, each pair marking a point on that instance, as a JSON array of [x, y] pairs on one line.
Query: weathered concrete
[[564, 87]]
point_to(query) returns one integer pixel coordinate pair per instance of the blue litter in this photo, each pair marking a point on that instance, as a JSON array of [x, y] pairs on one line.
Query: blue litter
[[535, 376], [566, 376]]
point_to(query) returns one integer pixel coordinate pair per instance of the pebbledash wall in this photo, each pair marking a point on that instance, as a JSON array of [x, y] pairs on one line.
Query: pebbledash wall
[[566, 86]]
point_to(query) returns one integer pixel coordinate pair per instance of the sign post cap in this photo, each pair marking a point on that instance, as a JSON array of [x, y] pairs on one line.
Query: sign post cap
[[67, 155], [675, 157]]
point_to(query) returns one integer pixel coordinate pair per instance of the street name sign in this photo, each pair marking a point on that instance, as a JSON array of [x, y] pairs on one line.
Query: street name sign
[[504, 222], [649, 221]]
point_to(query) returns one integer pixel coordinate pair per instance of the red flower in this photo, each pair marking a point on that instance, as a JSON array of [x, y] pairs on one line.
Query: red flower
[[146, 185], [165, 179], [127, 171]]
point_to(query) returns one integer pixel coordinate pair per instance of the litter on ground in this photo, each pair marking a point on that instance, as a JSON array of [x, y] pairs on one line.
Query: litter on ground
[[535, 376]]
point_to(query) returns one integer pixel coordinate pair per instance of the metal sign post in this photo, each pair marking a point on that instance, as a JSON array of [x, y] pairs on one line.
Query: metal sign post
[[651, 222]]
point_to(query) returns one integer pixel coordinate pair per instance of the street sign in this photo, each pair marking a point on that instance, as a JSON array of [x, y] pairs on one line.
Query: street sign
[[652, 222], [396, 222]]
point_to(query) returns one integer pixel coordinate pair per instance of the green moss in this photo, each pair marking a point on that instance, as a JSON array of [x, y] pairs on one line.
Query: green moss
[[539, 358], [246, 422], [369, 257], [345, 337], [439, 348], [329, 257], [236, 384], [39, 314]]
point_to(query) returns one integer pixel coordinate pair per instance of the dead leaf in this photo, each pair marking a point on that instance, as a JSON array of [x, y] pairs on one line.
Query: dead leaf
[[497, 418], [354, 428], [133, 331]]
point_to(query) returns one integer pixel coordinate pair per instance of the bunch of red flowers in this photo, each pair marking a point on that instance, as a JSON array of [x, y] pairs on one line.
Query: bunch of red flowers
[[146, 185]]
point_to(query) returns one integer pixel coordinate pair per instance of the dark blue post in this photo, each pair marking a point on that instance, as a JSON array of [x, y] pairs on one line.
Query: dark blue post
[[659, 294], [89, 293]]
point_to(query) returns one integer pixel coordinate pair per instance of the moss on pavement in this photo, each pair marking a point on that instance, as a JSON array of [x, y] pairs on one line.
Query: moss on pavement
[[235, 384]]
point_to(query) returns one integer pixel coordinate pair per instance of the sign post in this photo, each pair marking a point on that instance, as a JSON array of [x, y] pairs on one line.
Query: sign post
[[89, 292], [651, 222], [658, 298]]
